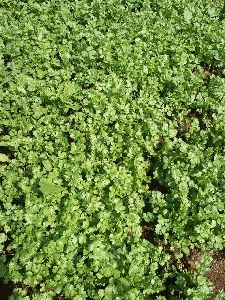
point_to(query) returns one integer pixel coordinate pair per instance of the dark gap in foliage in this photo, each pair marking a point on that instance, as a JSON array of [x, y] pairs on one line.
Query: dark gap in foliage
[[206, 81], [188, 262], [60, 296], [169, 292], [118, 161], [19, 201], [30, 133], [181, 135], [133, 7], [146, 156], [7, 59], [69, 138], [127, 243], [73, 76], [28, 172], [222, 13], [212, 142], [69, 111], [192, 194], [58, 56], [5, 150], [84, 175], [128, 247], [173, 289], [171, 118], [84, 39], [60, 41], [112, 124], [148, 232], [200, 117], [4, 131], [50, 272], [184, 126], [78, 256], [203, 64], [81, 20], [99, 60], [87, 85], [5, 86], [88, 144], [8, 253], [139, 6], [136, 8], [72, 123], [102, 283], [190, 214], [212, 69], [155, 185], [38, 286], [55, 68], [23, 286], [48, 228], [168, 88], [5, 290], [136, 92], [194, 69], [6, 40]]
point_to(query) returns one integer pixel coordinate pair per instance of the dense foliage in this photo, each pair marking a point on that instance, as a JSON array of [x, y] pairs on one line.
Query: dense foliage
[[112, 163]]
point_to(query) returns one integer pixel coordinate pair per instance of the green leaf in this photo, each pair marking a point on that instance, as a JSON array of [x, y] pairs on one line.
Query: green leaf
[[47, 187], [3, 158], [187, 15]]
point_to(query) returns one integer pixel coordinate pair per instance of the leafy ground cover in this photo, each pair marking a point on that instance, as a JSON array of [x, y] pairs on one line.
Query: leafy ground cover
[[112, 155]]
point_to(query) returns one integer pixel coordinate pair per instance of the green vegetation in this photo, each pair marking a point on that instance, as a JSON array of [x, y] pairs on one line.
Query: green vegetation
[[112, 140]]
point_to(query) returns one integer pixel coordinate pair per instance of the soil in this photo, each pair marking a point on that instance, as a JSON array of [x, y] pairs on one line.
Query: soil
[[216, 275], [190, 263], [6, 290], [217, 272]]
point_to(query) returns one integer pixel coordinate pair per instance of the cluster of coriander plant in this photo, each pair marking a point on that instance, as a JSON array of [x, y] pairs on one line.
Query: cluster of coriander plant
[[111, 147]]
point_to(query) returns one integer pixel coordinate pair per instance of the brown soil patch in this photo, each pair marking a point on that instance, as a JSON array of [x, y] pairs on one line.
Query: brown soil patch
[[5, 290], [217, 272], [192, 260], [147, 232], [216, 275], [60, 296]]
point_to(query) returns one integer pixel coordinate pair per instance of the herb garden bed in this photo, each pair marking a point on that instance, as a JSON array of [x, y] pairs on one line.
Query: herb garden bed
[[112, 153]]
